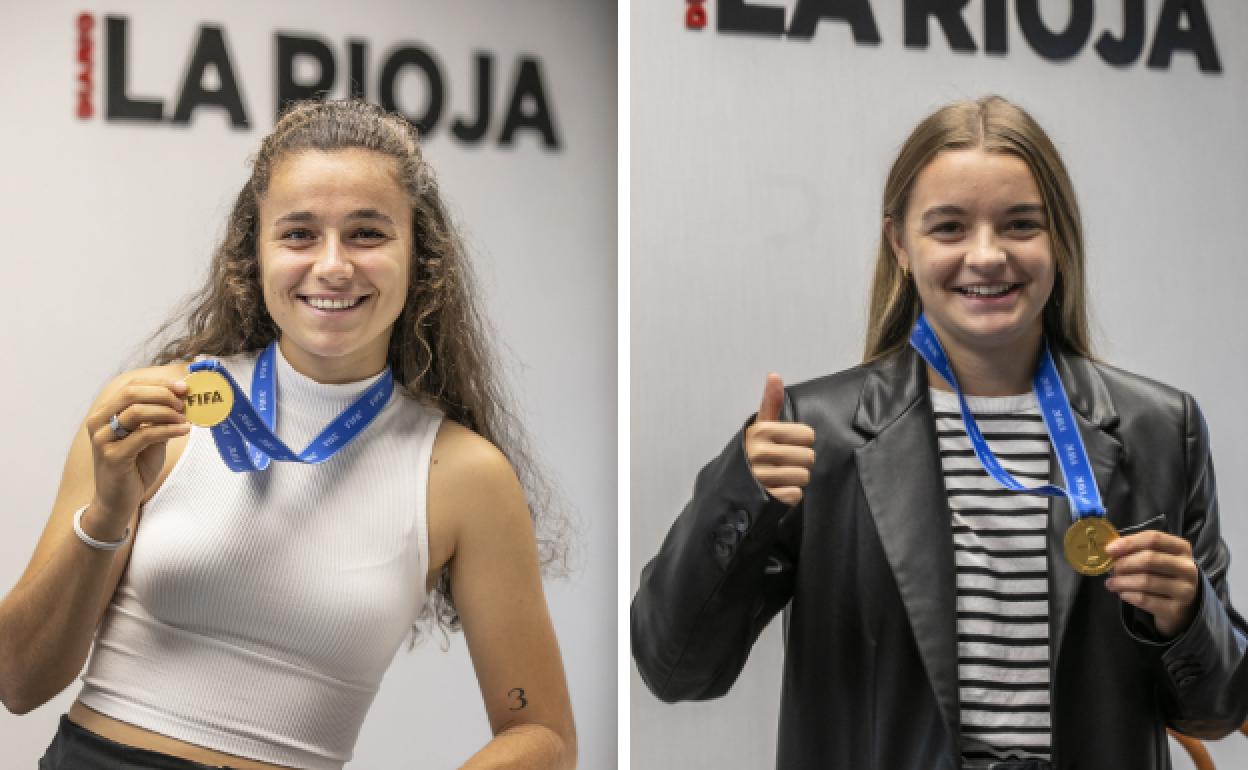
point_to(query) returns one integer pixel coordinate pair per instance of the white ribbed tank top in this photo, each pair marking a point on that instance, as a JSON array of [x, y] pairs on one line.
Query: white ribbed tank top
[[259, 611]]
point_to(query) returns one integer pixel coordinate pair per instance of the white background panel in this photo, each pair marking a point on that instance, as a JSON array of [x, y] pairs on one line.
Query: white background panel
[[757, 169]]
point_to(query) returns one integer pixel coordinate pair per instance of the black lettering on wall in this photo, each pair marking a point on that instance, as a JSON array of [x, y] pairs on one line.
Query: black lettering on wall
[[856, 12], [996, 34], [948, 13], [120, 106], [1123, 51], [210, 51], [529, 89], [740, 16], [289, 47], [1197, 37], [358, 72], [1056, 46], [412, 56], [475, 131]]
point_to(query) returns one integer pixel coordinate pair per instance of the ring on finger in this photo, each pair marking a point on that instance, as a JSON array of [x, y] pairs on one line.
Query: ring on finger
[[119, 430]]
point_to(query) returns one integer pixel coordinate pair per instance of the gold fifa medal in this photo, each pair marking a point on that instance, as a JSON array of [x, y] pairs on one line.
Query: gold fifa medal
[[209, 398], [1085, 543]]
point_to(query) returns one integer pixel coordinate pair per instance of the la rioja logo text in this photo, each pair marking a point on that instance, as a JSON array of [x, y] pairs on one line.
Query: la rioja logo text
[[1180, 26], [526, 109]]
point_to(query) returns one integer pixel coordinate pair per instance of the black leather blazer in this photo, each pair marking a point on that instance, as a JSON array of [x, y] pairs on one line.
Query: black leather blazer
[[865, 565]]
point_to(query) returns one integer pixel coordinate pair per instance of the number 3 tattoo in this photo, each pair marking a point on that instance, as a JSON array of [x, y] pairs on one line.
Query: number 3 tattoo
[[518, 694]]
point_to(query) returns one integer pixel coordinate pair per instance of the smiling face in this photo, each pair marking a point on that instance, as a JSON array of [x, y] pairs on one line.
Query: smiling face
[[976, 240], [335, 244]]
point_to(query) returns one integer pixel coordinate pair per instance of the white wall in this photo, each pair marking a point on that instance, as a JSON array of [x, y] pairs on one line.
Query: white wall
[[757, 170], [108, 225]]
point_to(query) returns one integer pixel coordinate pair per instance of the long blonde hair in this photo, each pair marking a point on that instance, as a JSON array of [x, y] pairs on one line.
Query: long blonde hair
[[439, 349], [995, 125]]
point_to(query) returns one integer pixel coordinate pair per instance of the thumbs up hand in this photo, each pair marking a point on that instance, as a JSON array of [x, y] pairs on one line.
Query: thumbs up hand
[[780, 453]]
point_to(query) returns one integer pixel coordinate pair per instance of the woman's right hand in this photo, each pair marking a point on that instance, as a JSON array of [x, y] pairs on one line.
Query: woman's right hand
[[150, 406], [780, 453]]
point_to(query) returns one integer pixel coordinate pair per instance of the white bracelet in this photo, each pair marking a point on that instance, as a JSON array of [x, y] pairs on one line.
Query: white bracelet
[[102, 545]]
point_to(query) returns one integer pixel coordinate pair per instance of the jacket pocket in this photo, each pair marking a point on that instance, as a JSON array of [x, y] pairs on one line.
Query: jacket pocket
[[1136, 622], [1158, 522]]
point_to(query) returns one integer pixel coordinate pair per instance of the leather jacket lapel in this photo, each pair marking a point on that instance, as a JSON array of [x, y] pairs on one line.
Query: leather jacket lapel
[[899, 467]]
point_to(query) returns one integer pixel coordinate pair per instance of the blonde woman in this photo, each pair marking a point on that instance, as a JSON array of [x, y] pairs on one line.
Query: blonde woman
[[244, 610], [995, 551]]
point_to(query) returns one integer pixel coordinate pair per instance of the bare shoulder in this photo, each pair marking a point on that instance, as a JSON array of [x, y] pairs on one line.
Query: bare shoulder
[[468, 466], [470, 477]]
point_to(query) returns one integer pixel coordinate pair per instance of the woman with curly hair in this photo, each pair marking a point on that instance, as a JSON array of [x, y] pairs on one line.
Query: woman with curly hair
[[244, 611]]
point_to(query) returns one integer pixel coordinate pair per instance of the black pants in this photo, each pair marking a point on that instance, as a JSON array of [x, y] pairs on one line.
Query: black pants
[[74, 748]]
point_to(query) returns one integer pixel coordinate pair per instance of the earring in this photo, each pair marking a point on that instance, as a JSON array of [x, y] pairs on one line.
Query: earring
[[905, 272]]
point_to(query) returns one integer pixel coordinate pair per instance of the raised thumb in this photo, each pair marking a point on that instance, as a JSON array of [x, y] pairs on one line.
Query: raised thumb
[[773, 398]]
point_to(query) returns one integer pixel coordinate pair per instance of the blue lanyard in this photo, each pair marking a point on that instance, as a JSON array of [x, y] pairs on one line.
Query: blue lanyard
[[246, 440], [1059, 419]]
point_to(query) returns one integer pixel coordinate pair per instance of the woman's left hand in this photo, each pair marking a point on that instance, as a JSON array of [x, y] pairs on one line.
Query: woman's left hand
[[1155, 572]]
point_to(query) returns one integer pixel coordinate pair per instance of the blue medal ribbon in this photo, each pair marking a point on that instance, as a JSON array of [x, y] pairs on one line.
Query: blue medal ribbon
[[246, 438], [1059, 419]]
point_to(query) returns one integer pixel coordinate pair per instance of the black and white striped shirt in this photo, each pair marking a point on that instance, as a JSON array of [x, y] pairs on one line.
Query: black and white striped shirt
[[999, 539]]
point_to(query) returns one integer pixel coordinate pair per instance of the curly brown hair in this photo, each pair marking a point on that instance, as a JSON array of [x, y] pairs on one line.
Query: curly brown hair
[[438, 347]]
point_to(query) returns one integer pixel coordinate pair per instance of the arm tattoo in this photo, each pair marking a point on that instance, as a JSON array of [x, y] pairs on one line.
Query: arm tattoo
[[517, 694]]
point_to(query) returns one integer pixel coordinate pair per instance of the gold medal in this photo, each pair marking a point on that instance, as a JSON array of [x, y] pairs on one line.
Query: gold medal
[[209, 398], [1085, 543]]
